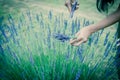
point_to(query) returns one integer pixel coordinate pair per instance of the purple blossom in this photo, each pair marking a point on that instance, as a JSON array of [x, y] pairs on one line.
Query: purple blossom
[[42, 23], [68, 53], [97, 38], [74, 6], [61, 37], [50, 15], [79, 52], [107, 49], [86, 23], [78, 75], [48, 38], [11, 21], [1, 50], [78, 25], [31, 59], [29, 15], [65, 24], [3, 33], [101, 31], [37, 18], [73, 27], [106, 38]]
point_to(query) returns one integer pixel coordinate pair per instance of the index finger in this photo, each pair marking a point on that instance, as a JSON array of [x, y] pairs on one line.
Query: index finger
[[75, 40]]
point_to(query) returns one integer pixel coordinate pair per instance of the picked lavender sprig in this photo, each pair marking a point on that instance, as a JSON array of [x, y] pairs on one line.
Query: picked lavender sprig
[[73, 8], [62, 37]]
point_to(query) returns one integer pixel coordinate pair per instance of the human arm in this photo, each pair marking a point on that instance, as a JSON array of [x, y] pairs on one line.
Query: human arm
[[84, 33]]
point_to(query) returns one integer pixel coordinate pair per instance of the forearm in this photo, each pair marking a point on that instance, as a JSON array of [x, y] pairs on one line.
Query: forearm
[[109, 20]]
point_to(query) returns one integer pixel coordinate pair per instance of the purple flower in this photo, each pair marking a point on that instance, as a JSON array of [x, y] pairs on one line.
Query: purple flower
[[61, 37], [37, 17], [78, 75], [68, 53], [97, 38], [87, 23], [101, 31], [48, 37], [73, 27], [78, 25], [50, 15], [3, 33], [106, 38], [65, 24], [11, 21], [79, 52], [1, 50], [74, 6], [107, 49], [29, 15]]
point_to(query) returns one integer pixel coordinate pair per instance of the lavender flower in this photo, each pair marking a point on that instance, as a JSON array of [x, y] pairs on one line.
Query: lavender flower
[[78, 75], [106, 38], [97, 38], [31, 59], [65, 24], [74, 6], [48, 38], [86, 23], [8, 48], [73, 27], [37, 17], [3, 33], [79, 52], [68, 53], [101, 31], [50, 15], [42, 23], [107, 49], [78, 25], [61, 37], [11, 21], [29, 16], [1, 50]]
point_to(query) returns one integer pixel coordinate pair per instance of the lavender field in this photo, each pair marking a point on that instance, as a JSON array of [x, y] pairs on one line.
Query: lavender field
[[34, 43], [29, 51]]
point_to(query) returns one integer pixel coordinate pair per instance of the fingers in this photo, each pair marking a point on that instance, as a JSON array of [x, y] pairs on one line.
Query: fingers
[[73, 41], [77, 42], [77, 34], [68, 5], [80, 42]]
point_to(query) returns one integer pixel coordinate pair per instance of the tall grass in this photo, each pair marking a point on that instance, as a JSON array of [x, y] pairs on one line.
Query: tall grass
[[28, 50]]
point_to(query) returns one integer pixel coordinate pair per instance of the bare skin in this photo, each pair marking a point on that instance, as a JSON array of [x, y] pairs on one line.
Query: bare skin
[[84, 33]]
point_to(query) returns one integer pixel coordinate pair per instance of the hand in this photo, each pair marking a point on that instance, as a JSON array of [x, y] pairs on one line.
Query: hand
[[82, 36]]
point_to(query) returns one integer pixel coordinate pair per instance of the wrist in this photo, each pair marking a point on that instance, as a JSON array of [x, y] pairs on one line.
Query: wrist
[[92, 28]]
